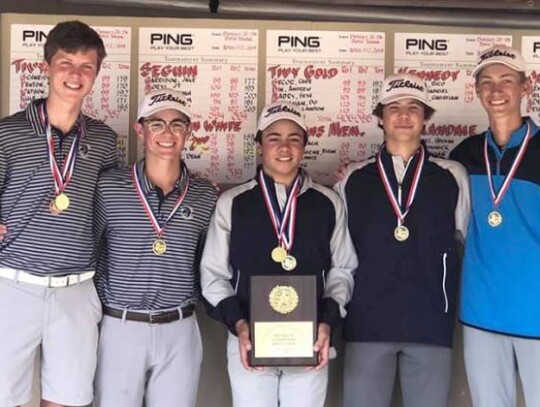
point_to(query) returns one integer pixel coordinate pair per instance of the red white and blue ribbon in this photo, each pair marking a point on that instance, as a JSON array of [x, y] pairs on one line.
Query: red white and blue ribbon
[[61, 177], [158, 228], [497, 197], [396, 205], [283, 221]]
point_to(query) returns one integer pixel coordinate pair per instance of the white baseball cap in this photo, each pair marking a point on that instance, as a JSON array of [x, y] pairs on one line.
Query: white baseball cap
[[403, 86], [163, 99], [500, 54], [278, 111]]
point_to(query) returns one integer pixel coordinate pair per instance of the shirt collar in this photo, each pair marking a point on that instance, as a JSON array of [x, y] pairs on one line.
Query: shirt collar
[[147, 186], [34, 115], [515, 139], [305, 181]]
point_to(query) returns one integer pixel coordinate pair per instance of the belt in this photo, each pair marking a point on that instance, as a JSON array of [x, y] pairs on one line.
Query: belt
[[158, 317], [45, 281]]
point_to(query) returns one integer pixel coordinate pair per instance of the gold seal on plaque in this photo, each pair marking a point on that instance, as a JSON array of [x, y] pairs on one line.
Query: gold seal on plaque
[[159, 247], [283, 299]]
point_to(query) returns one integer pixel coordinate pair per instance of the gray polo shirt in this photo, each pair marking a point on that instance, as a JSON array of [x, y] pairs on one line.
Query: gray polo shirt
[[38, 241]]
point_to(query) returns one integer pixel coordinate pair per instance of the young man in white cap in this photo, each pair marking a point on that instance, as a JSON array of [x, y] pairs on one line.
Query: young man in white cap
[[406, 210], [50, 159], [500, 302], [151, 221], [280, 210]]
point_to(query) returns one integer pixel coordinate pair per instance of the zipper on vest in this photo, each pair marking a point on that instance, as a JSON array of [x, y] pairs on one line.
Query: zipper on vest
[[237, 281], [445, 255]]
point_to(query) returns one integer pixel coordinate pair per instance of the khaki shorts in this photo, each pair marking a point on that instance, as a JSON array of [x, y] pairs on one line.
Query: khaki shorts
[[152, 364], [64, 323]]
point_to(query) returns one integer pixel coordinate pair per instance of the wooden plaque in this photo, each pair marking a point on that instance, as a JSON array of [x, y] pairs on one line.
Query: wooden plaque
[[283, 320]]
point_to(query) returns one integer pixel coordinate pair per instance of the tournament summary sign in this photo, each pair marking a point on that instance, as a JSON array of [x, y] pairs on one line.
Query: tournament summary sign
[[334, 77], [216, 69], [446, 62]]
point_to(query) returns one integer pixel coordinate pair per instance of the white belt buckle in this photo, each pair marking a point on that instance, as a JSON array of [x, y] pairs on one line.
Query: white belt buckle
[[58, 282]]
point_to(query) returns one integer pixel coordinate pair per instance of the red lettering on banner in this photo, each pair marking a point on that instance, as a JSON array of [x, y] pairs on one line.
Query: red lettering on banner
[[320, 73], [337, 130], [435, 75], [168, 70], [452, 129], [22, 66], [279, 72], [224, 126]]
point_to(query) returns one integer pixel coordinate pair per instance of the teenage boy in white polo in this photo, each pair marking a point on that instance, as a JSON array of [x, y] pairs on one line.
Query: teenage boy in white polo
[[243, 240], [50, 158], [500, 301], [152, 220], [405, 210]]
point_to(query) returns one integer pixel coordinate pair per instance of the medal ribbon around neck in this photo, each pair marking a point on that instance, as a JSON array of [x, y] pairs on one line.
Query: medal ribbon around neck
[[496, 198], [388, 188], [153, 220], [283, 221], [62, 177]]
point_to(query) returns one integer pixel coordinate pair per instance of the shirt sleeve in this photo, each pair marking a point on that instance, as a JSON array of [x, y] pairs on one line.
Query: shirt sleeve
[[100, 213], [340, 279], [216, 271], [463, 207]]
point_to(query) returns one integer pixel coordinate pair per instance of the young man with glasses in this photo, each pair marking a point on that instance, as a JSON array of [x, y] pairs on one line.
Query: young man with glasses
[[50, 159], [151, 222]]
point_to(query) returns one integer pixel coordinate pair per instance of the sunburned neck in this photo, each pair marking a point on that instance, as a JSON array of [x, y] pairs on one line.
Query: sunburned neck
[[502, 129]]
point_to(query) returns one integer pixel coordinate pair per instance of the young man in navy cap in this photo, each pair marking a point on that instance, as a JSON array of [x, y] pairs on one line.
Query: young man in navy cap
[[50, 158], [405, 210], [309, 238], [500, 302], [151, 221]]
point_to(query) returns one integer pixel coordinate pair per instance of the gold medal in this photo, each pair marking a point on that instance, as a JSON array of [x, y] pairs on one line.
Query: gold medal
[[61, 201], [53, 209], [278, 254], [401, 233], [495, 219], [159, 247], [289, 263], [283, 299]]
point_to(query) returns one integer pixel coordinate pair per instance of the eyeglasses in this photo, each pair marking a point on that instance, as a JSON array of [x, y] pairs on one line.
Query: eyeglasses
[[158, 126]]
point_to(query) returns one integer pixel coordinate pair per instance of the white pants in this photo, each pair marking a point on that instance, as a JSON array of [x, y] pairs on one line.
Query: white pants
[[274, 386], [490, 362], [159, 364]]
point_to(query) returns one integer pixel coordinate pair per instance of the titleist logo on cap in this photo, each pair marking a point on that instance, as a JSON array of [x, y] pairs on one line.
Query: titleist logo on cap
[[497, 53], [404, 83], [282, 108], [165, 97]]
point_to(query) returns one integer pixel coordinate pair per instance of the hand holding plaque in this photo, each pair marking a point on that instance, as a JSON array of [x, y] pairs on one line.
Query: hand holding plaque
[[283, 314]]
